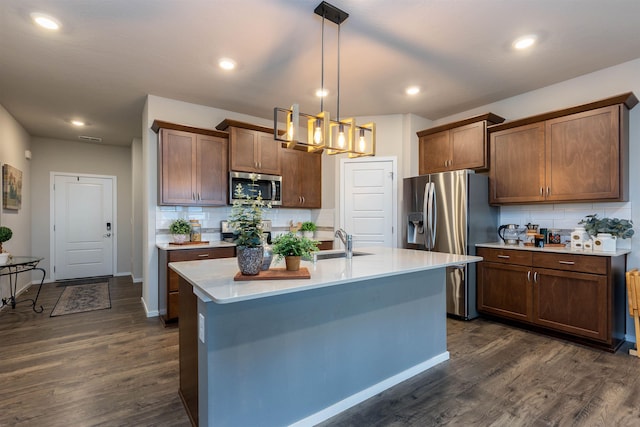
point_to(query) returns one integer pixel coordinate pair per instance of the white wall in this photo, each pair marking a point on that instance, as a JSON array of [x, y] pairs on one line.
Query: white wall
[[581, 90], [53, 155], [137, 211], [14, 140]]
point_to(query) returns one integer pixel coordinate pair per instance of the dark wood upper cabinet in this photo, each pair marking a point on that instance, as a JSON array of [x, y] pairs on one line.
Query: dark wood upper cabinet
[[573, 155], [192, 165], [457, 145], [252, 148], [301, 179]]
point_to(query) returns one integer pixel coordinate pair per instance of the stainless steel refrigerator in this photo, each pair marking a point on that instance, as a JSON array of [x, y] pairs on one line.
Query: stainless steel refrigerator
[[450, 212]]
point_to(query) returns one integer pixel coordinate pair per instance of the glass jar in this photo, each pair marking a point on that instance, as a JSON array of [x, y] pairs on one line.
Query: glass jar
[[196, 231]]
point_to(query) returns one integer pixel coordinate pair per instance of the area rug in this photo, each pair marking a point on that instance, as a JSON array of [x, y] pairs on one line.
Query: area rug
[[82, 298]]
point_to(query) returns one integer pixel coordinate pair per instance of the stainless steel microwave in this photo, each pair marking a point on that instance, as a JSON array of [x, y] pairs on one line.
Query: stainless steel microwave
[[268, 186]]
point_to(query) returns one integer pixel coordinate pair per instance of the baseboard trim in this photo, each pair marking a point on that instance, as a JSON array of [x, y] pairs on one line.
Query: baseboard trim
[[153, 313], [365, 394]]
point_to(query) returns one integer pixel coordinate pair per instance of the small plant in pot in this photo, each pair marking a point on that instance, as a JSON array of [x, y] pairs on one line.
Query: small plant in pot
[[246, 221], [180, 229], [5, 235], [292, 248], [308, 229]]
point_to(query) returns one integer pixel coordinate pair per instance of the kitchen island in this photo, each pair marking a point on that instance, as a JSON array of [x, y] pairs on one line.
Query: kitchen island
[[296, 352]]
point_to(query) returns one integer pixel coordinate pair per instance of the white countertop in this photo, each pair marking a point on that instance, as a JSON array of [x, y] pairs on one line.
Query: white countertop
[[565, 250], [170, 247], [213, 279]]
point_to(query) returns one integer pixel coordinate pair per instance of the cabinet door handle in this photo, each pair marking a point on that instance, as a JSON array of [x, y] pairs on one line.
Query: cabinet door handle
[[303, 200], [203, 255], [567, 262], [541, 191], [529, 276], [193, 196], [535, 277], [548, 191], [504, 256]]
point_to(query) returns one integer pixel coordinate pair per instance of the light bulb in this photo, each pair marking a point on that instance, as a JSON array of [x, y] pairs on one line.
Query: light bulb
[[341, 136], [317, 134], [362, 142], [290, 132]]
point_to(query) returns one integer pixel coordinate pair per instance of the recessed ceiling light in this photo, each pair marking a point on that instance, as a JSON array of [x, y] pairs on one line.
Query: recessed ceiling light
[[524, 42], [78, 123], [45, 21], [227, 64], [412, 90], [321, 93]]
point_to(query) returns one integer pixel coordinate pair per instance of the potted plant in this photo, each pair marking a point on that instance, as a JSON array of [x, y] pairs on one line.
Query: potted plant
[[180, 230], [292, 247], [621, 228], [308, 229], [5, 235], [246, 221]]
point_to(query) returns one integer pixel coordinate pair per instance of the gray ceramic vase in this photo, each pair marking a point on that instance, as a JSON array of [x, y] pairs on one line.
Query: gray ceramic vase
[[250, 260]]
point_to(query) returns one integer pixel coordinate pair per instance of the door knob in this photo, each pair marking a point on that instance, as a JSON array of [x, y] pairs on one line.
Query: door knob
[[107, 235]]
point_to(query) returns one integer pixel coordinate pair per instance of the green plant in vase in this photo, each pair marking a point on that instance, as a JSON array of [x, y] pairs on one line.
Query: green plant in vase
[[308, 229], [5, 235], [292, 248], [246, 221], [622, 228], [180, 229]]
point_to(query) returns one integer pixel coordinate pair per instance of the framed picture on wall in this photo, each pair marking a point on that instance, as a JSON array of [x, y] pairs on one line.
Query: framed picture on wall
[[11, 187]]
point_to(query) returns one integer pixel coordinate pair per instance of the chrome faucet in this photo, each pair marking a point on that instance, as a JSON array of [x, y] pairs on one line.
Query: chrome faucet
[[347, 241]]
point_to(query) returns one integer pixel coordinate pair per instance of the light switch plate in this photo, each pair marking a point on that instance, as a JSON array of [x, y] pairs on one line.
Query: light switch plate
[[201, 327]]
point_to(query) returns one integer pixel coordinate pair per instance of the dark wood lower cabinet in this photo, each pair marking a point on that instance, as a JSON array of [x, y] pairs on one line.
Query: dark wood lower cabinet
[[580, 297], [188, 350], [168, 293]]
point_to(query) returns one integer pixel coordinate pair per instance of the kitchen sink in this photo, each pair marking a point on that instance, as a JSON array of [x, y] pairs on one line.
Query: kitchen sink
[[317, 256]]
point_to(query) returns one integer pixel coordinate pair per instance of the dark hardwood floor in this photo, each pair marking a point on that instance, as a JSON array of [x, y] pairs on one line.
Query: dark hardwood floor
[[118, 368], [112, 367]]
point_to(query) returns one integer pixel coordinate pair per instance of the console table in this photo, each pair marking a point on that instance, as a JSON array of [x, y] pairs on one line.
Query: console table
[[15, 266]]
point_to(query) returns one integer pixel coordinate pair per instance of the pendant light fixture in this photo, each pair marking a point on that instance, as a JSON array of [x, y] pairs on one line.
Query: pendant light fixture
[[323, 133]]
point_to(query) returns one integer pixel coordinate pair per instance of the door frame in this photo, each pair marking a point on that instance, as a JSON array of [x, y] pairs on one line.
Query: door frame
[[339, 220], [52, 234]]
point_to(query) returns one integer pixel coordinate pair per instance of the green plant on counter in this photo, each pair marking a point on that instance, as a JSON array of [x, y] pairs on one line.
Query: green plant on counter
[[180, 226], [291, 244], [621, 228], [308, 226], [5, 235], [246, 217]]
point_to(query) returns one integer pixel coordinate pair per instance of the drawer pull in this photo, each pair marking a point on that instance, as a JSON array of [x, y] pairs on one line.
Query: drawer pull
[[504, 256], [567, 262], [203, 255]]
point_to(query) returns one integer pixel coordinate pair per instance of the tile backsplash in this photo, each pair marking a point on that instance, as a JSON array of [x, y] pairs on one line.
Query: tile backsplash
[[210, 218], [565, 216]]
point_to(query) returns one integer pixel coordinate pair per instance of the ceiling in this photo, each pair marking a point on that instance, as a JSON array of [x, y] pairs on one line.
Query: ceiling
[[109, 54]]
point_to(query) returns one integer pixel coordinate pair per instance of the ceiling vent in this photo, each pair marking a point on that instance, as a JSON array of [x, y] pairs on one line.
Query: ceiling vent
[[90, 138]]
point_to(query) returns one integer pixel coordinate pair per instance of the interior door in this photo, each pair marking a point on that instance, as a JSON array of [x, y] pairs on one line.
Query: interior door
[[84, 228], [368, 202]]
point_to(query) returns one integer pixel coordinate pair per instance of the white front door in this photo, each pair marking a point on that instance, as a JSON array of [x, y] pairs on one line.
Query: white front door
[[83, 229], [368, 200]]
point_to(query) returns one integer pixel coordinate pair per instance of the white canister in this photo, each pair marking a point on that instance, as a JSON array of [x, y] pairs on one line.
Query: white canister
[[578, 238], [587, 245], [604, 242]]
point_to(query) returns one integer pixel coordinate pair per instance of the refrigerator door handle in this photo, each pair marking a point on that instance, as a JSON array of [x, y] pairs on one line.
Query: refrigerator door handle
[[425, 215], [434, 215]]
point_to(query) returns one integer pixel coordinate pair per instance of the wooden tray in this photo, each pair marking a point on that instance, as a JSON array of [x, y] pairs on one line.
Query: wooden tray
[[275, 274], [204, 242]]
